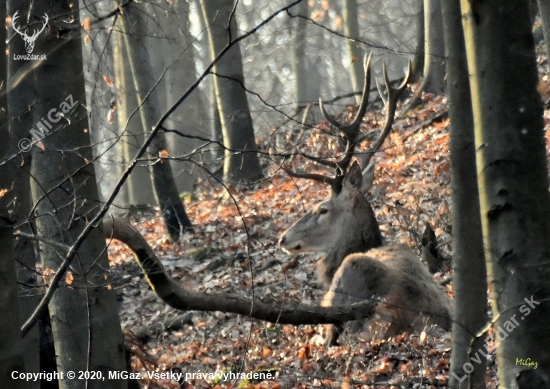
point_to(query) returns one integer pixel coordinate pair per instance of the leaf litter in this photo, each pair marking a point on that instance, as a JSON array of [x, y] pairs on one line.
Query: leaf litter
[[412, 187]]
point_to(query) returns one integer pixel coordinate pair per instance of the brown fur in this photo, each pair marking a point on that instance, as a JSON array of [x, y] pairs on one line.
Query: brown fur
[[410, 298], [357, 267]]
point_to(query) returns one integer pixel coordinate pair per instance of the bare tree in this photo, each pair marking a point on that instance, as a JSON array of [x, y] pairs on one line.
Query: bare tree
[[351, 28], [513, 184], [20, 99], [434, 48], [544, 8], [134, 29], [139, 188], [85, 322], [11, 342], [241, 161], [470, 275]]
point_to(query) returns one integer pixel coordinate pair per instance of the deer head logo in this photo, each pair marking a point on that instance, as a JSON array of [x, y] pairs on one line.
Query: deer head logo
[[29, 40]]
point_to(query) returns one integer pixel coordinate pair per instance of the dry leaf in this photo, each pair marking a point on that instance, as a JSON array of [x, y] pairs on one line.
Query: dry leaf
[[384, 367], [111, 115], [338, 23], [345, 383], [47, 273], [69, 278], [86, 24], [41, 145], [107, 80], [423, 336]]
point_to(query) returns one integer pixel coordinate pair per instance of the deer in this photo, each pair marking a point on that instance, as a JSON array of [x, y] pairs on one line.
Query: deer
[[357, 265]]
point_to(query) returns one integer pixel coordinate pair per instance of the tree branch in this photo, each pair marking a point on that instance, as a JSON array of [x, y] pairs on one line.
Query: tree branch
[[176, 296]]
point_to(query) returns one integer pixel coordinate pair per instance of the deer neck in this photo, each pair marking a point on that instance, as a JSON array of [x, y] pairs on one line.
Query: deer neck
[[367, 236]]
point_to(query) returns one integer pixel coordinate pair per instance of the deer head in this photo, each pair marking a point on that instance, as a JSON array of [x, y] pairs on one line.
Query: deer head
[[344, 223], [29, 40]]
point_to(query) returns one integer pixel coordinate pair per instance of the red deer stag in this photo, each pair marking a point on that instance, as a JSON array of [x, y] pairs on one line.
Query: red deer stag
[[357, 265]]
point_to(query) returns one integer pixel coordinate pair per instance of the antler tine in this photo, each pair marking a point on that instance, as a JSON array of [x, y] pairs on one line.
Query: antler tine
[[44, 24], [381, 92], [332, 181], [13, 19], [351, 131], [329, 118], [390, 103], [354, 126]]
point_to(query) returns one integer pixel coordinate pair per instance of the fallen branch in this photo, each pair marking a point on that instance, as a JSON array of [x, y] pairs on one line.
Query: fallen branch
[[176, 296]]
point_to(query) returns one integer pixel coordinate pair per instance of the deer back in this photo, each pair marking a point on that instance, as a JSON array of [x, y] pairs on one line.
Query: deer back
[[410, 298]]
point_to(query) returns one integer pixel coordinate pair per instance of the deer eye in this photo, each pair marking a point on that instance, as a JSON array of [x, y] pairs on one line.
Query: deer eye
[[323, 211]]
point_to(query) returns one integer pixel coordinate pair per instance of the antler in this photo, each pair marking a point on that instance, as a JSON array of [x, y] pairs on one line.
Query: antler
[[13, 19], [352, 132], [44, 24], [35, 33], [390, 103]]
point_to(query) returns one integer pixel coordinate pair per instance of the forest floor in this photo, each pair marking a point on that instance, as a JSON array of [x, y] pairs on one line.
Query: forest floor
[[233, 248]]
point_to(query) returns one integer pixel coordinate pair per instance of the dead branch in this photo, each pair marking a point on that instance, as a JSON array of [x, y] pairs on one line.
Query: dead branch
[[176, 296]]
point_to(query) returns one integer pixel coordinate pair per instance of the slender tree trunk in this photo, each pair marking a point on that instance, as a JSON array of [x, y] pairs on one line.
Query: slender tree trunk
[[418, 61], [469, 272], [241, 160], [139, 185], [303, 92], [11, 344], [19, 115], [176, 55], [513, 184], [83, 311], [544, 8], [98, 61], [355, 53], [215, 122], [166, 192], [434, 50]]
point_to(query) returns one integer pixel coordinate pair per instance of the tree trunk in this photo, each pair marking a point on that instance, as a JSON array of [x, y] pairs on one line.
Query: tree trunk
[[166, 192], [83, 311], [215, 122], [11, 344], [434, 50], [513, 184], [351, 29], [418, 61], [175, 54], [241, 161], [470, 275], [19, 118], [139, 185], [544, 8], [304, 93]]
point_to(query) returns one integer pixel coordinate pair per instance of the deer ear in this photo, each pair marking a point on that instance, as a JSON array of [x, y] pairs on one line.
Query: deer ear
[[368, 177], [353, 179]]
